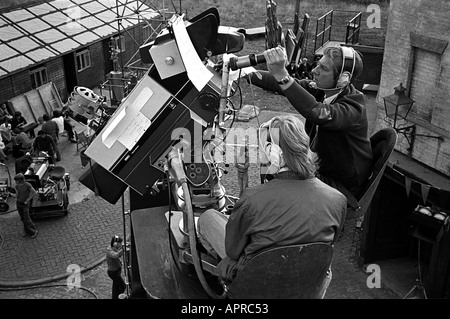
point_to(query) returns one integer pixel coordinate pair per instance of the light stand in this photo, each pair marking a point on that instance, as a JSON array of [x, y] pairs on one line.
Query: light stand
[[419, 285]]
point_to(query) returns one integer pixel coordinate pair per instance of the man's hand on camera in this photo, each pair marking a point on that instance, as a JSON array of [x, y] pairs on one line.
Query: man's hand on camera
[[276, 60]]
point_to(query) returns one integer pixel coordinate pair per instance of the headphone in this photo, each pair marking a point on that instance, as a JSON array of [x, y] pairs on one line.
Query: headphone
[[348, 53], [345, 76], [270, 150]]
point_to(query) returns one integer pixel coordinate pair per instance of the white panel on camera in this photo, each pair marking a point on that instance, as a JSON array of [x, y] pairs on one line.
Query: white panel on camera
[[133, 117], [167, 59], [130, 120]]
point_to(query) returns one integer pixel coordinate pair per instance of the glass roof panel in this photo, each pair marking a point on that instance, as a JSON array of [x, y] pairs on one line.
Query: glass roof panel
[[34, 25], [72, 28], [50, 36], [40, 54], [104, 31], [18, 15], [107, 16], [65, 45], [94, 7], [25, 44], [16, 63], [85, 37], [80, 2], [41, 9], [63, 4], [91, 22], [9, 33], [2, 22], [57, 19], [6, 52]]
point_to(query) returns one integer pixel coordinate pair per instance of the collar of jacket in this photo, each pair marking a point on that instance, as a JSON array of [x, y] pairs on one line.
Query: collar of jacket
[[287, 175]]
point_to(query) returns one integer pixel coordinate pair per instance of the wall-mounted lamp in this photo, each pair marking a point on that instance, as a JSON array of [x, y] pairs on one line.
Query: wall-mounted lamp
[[397, 107]]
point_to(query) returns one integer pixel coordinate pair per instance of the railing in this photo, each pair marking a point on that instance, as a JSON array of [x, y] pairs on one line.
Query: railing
[[323, 19], [353, 26], [325, 26]]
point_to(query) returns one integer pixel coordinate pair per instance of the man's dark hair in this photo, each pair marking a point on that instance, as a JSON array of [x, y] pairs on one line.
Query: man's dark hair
[[116, 239], [19, 177]]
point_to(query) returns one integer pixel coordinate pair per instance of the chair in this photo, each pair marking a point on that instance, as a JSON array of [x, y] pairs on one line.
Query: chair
[[383, 143], [296, 271], [82, 140]]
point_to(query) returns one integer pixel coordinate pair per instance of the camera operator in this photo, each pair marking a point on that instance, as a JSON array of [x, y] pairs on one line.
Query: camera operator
[[334, 110]]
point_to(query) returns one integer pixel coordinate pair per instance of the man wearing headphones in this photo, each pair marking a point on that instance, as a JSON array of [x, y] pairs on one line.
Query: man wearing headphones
[[294, 207], [334, 110]]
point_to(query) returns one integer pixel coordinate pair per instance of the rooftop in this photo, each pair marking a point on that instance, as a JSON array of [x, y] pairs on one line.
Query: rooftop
[[39, 32]]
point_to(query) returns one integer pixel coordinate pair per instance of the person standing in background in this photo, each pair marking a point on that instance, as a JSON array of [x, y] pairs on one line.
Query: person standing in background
[[114, 254], [44, 143], [51, 128], [59, 120], [24, 194], [18, 120], [4, 113], [6, 131]]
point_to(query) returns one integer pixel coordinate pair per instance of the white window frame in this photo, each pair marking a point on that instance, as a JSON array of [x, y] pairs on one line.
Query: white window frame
[[39, 76], [83, 59]]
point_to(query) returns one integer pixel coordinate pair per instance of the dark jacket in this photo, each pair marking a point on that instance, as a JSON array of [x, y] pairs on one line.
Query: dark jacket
[[44, 143], [284, 211], [51, 128], [18, 121], [341, 137]]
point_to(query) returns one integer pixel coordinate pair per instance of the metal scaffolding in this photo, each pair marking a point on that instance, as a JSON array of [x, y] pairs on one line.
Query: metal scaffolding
[[126, 73]]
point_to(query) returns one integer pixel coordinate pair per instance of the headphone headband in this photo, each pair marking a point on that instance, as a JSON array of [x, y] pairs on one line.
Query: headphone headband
[[350, 54]]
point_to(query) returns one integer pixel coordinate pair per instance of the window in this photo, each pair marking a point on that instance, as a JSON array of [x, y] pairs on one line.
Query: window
[[83, 58], [38, 76], [119, 42]]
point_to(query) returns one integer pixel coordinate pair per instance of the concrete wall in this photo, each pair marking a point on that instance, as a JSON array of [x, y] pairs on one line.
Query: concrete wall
[[416, 54]]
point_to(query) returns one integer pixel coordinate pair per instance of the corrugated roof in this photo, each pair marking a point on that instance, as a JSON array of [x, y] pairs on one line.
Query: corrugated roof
[[34, 34]]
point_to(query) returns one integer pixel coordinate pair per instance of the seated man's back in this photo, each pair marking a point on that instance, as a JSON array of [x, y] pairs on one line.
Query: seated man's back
[[285, 211]]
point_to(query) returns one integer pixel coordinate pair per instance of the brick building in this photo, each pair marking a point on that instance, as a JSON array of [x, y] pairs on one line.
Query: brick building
[[416, 54], [68, 42]]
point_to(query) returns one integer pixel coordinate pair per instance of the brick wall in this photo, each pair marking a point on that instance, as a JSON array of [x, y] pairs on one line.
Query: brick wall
[[94, 75], [428, 76], [21, 82], [55, 72], [6, 90]]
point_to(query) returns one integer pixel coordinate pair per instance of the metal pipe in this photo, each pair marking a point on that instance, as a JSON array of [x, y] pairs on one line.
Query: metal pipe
[[125, 259], [224, 92]]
